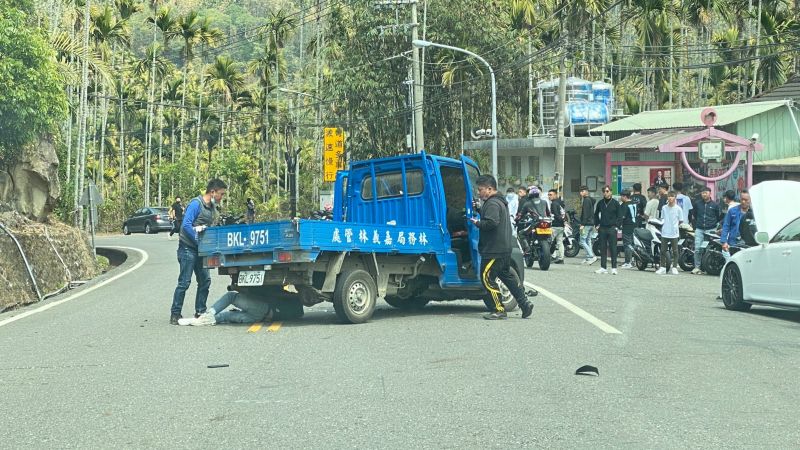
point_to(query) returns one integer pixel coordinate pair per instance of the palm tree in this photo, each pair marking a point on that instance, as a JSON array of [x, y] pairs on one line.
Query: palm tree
[[107, 31], [226, 79], [193, 30]]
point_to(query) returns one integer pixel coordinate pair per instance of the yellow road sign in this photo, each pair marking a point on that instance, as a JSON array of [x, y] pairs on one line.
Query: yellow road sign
[[333, 152]]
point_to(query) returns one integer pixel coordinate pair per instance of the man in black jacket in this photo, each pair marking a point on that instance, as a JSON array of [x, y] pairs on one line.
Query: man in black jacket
[[608, 219], [494, 246], [629, 222], [586, 219], [706, 218], [641, 202], [559, 214]]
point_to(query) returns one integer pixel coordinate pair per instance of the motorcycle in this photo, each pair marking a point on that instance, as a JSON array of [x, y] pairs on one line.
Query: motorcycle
[[647, 246], [686, 252], [571, 236], [713, 259], [535, 235]]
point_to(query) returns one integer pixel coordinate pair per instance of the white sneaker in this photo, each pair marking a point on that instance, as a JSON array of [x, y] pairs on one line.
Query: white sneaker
[[601, 271], [592, 260], [207, 318], [186, 321], [626, 266], [674, 271], [661, 271], [613, 271], [696, 271], [584, 262]]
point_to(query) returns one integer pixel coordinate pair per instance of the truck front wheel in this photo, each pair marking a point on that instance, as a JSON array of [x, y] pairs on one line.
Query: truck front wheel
[[355, 296]]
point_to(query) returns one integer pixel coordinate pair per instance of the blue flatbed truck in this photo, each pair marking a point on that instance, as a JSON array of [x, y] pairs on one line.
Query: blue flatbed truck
[[400, 232]]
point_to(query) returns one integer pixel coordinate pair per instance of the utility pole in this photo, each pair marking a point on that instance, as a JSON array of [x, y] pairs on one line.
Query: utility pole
[[530, 88], [560, 138], [758, 43], [416, 66], [419, 138]]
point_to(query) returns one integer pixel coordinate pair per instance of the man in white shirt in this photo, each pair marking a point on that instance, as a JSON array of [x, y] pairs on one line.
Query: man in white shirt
[[672, 217], [683, 201], [651, 209]]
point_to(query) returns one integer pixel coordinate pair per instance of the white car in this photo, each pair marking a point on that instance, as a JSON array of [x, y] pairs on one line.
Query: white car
[[768, 273]]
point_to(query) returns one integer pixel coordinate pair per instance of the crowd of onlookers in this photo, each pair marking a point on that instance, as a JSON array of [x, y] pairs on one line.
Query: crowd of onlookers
[[661, 207]]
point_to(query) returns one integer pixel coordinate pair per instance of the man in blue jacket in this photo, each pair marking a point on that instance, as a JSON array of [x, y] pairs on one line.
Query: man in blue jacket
[[706, 218], [200, 214], [731, 223]]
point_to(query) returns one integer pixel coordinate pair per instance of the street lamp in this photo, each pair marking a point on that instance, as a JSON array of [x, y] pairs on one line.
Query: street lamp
[[424, 44]]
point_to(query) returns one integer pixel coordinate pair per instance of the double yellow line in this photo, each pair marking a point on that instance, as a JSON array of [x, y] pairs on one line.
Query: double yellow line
[[272, 328]]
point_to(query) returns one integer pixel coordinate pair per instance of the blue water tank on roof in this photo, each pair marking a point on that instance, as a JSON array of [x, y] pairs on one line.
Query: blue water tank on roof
[[603, 93]]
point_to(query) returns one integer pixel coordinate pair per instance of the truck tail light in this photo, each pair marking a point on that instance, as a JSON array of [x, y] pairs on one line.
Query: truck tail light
[[213, 262], [284, 257]]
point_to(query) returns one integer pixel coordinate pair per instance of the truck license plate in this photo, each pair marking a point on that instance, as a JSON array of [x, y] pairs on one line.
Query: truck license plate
[[251, 278], [544, 231]]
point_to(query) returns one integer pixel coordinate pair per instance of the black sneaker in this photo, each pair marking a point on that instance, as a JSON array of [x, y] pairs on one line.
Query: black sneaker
[[532, 293], [173, 319], [527, 309], [558, 261], [497, 315]]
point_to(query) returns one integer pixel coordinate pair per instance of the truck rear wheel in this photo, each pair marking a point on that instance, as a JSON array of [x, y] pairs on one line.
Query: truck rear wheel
[[508, 300], [355, 296]]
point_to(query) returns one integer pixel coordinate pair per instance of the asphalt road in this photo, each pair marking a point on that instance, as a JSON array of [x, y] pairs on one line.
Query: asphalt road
[[105, 369]]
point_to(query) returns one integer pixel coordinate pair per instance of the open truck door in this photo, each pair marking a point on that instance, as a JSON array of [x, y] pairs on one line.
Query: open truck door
[[471, 174]]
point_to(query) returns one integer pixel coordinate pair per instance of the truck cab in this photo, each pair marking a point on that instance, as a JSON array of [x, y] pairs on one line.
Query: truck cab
[[400, 232]]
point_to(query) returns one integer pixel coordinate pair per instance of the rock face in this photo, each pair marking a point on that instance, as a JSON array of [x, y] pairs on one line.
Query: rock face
[[31, 186]]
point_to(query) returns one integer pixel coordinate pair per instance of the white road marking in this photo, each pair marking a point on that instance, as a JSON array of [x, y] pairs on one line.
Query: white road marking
[[575, 309], [81, 293]]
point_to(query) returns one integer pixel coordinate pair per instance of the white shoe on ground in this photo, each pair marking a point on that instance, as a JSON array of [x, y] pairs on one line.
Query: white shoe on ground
[[613, 271], [696, 271], [626, 266], [601, 271], [207, 318], [592, 261], [661, 271], [186, 321], [674, 271]]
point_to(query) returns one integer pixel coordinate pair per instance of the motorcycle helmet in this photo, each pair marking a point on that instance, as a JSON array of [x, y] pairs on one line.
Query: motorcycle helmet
[[533, 190]]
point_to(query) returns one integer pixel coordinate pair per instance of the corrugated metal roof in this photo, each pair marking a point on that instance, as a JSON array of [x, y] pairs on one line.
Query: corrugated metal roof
[[687, 117], [787, 91], [643, 142], [793, 161]]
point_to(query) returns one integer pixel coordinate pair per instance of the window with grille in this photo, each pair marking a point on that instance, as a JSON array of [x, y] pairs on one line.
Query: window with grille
[[533, 166], [516, 166]]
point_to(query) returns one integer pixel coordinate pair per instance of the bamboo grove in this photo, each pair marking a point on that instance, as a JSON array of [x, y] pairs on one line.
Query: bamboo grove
[[163, 94]]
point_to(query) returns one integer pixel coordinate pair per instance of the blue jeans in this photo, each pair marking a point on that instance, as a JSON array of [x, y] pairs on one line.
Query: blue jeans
[[586, 240], [699, 237], [190, 263], [251, 310]]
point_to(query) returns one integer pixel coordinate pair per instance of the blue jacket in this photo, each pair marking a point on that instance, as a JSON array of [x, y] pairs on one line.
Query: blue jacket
[[730, 226]]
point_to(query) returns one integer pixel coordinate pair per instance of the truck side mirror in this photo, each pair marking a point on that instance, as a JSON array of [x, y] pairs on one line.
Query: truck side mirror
[[762, 237]]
